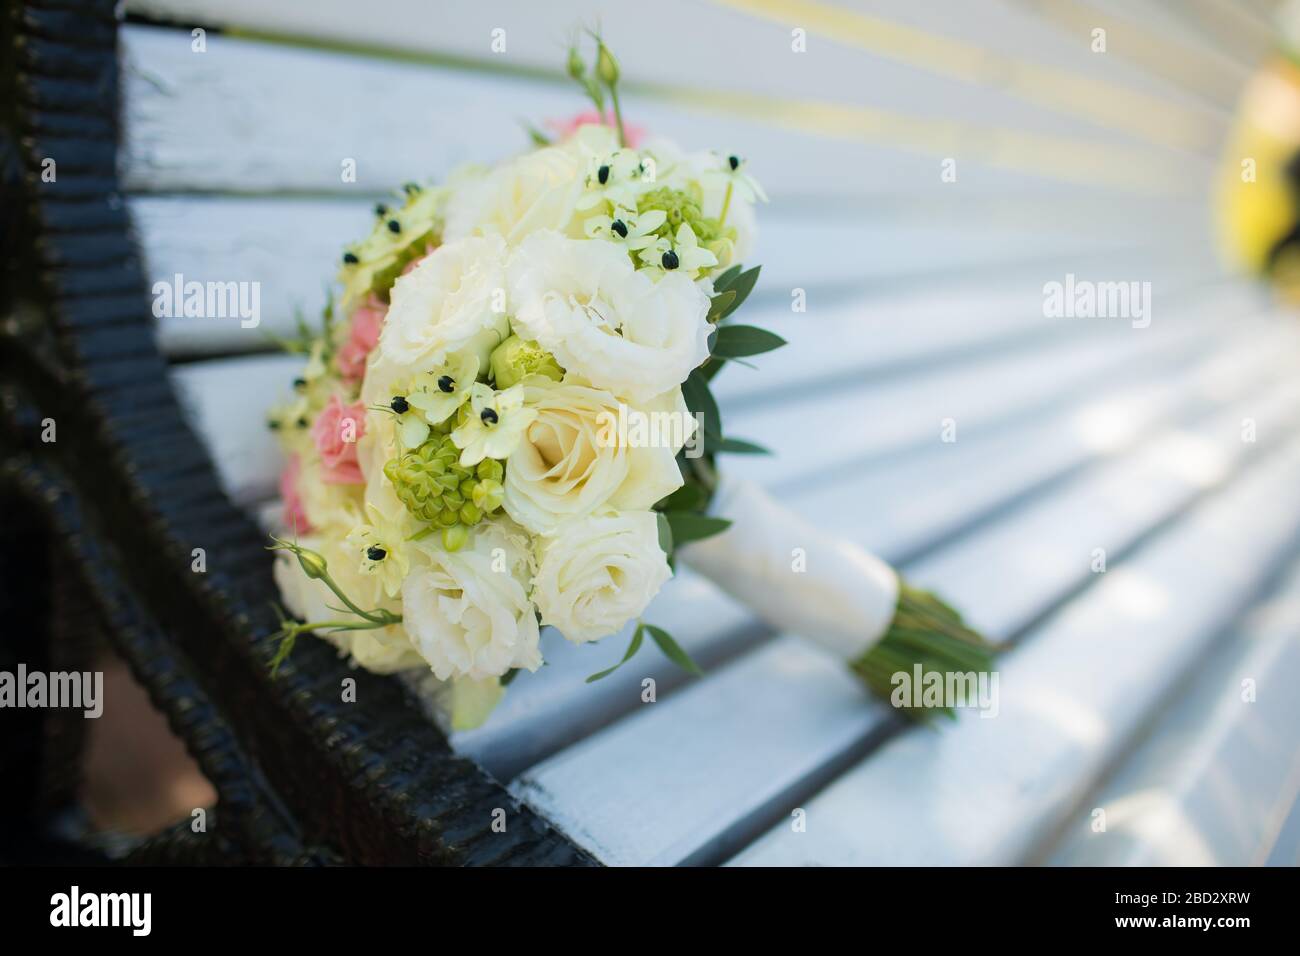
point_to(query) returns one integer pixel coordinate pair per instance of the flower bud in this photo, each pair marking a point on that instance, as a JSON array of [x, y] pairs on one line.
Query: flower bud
[[515, 359], [606, 66], [576, 67], [313, 564], [454, 538]]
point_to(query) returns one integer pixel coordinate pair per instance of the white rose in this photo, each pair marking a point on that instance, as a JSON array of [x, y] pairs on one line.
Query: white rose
[[617, 328], [382, 650], [468, 613], [575, 459], [599, 573], [538, 190], [452, 301]]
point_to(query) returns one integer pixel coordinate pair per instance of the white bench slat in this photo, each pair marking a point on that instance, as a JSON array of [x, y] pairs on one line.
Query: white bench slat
[[270, 124], [593, 789], [987, 791], [682, 780], [1054, 540], [816, 430], [1213, 782], [291, 248], [936, 491], [757, 56], [226, 403], [549, 710]]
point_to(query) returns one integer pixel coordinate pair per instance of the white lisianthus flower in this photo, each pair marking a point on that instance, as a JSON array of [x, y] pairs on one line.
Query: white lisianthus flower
[[618, 329], [328, 506], [384, 650], [586, 450], [453, 301], [589, 143], [538, 190], [599, 573], [468, 613]]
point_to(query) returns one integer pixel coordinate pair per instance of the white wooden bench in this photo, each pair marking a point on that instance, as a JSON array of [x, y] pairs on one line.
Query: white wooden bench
[[1120, 690]]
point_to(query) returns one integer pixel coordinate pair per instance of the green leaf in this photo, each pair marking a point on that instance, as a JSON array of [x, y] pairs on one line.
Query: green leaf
[[692, 526], [738, 341], [738, 446], [742, 286], [632, 648], [283, 651], [722, 282], [665, 533], [689, 497], [510, 675], [673, 651], [720, 305], [700, 401]]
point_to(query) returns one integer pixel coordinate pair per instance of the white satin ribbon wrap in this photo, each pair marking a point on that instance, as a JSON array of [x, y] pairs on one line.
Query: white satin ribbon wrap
[[843, 601]]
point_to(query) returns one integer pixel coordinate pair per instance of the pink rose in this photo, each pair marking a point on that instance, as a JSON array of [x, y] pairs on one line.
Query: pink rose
[[567, 127], [336, 432], [363, 336], [295, 515]]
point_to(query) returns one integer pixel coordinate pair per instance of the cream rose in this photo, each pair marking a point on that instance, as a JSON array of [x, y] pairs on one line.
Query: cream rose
[[586, 450], [598, 573], [468, 613], [582, 300], [453, 301]]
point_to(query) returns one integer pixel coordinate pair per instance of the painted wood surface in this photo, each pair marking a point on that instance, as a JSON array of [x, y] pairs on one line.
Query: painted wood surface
[[1214, 781], [990, 791]]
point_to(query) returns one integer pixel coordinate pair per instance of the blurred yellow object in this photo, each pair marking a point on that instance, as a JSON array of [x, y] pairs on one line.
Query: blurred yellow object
[[1258, 192]]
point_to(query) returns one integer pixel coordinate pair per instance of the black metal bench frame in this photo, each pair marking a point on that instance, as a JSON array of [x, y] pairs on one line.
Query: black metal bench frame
[[111, 511]]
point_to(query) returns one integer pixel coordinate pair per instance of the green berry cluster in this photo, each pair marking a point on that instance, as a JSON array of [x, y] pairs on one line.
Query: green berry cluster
[[683, 207], [439, 491]]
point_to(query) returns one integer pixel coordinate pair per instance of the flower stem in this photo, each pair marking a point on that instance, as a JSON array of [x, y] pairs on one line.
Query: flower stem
[[925, 632], [618, 115], [320, 570], [377, 618], [726, 204]]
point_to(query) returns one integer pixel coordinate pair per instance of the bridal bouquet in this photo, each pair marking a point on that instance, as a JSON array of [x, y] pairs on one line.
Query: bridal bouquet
[[505, 422]]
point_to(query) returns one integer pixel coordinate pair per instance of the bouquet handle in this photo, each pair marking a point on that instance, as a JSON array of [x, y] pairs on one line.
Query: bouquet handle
[[798, 577]]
